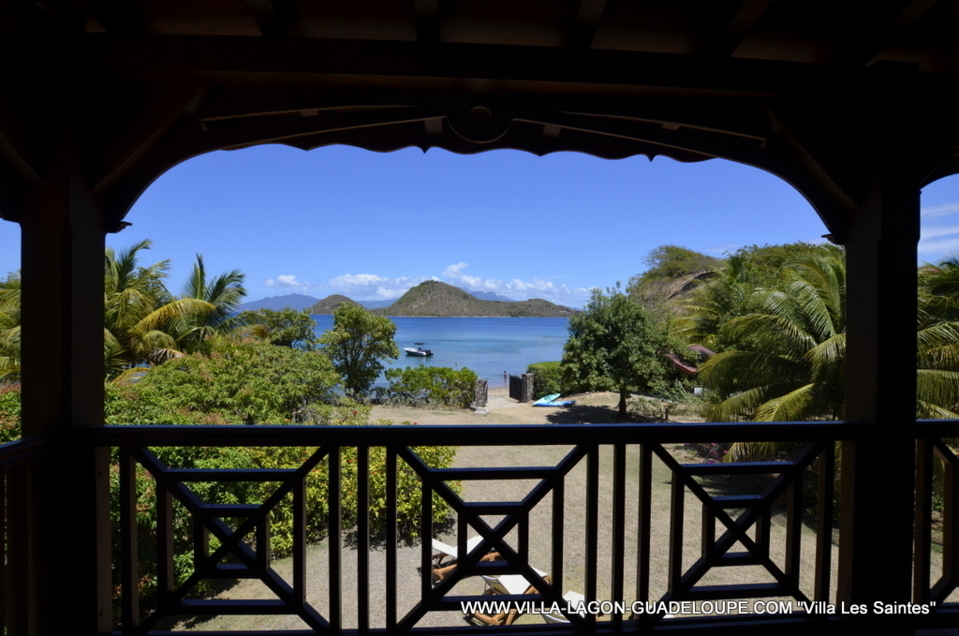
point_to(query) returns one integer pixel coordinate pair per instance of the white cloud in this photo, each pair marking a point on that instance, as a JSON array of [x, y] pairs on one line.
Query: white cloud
[[933, 231], [286, 280], [351, 280], [936, 211], [454, 270], [516, 288], [939, 248], [372, 286]]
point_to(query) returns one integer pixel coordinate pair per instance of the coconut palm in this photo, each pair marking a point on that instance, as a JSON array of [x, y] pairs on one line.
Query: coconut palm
[[10, 328], [712, 305], [792, 360], [938, 377], [222, 295], [791, 364], [138, 310]]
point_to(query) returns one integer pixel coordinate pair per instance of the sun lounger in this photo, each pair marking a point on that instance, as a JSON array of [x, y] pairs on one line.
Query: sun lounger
[[512, 584], [445, 551], [572, 599]]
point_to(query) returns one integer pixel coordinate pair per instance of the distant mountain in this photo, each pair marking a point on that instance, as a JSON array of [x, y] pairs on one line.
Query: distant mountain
[[434, 298], [329, 304], [276, 303], [488, 295], [375, 304]]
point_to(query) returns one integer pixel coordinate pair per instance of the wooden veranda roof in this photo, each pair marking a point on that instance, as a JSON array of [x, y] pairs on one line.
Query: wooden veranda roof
[[852, 102], [771, 83]]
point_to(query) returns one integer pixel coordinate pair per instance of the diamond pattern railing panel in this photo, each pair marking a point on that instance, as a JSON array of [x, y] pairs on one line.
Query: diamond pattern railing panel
[[605, 475]]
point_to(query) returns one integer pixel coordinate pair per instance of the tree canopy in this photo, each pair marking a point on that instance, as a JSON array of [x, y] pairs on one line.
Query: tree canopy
[[238, 381], [791, 360], [357, 344], [615, 345], [284, 328]]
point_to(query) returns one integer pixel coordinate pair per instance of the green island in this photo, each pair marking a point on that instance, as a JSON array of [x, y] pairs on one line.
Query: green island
[[433, 298]]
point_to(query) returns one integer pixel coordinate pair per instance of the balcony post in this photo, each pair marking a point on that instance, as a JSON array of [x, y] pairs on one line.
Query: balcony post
[[878, 470], [62, 367]]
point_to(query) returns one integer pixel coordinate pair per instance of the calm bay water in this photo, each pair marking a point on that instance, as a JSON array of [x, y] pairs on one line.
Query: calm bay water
[[488, 346]]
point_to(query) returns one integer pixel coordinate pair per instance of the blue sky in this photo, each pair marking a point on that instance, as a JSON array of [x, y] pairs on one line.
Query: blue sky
[[371, 225]]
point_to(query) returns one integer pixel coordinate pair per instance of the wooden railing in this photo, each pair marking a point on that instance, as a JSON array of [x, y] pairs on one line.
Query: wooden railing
[[20, 464], [612, 474], [936, 571], [611, 464]]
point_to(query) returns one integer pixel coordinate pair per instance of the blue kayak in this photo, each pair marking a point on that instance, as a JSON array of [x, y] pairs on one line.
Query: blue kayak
[[550, 400]]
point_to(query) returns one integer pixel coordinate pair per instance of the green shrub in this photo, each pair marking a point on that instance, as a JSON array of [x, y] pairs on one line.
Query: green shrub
[[245, 382], [440, 386], [547, 378], [9, 412], [281, 518]]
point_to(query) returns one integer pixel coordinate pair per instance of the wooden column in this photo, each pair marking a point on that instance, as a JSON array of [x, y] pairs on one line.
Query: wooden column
[[62, 378], [875, 557]]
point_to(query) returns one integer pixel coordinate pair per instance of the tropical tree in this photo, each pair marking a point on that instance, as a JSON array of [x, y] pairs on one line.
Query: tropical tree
[[937, 381], [357, 344], [222, 294], [614, 345], [10, 328], [791, 362], [136, 304], [144, 322], [730, 292], [727, 295], [284, 328]]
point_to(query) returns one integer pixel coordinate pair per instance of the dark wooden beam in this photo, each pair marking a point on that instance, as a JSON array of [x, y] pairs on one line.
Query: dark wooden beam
[[727, 41], [744, 149], [119, 17], [878, 469], [274, 17], [427, 21], [871, 35], [150, 128], [273, 130], [62, 370], [736, 117], [13, 190], [236, 61], [15, 144], [589, 13], [808, 141]]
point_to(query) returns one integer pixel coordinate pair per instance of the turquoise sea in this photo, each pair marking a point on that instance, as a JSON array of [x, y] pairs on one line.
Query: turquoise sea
[[488, 346]]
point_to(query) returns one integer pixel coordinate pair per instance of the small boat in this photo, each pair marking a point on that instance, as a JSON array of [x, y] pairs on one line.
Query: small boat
[[418, 350]]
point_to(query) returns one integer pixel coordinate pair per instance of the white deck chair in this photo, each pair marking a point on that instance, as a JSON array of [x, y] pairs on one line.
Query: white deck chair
[[571, 598]]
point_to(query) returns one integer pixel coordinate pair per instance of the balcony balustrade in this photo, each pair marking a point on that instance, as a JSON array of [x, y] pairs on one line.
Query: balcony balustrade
[[599, 497]]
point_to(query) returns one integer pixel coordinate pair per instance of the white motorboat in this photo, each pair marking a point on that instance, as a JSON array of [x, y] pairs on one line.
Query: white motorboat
[[418, 350]]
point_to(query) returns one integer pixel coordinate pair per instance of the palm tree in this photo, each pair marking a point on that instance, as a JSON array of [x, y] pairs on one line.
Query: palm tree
[[10, 328], [712, 305], [791, 365], [938, 338], [138, 310], [222, 295]]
